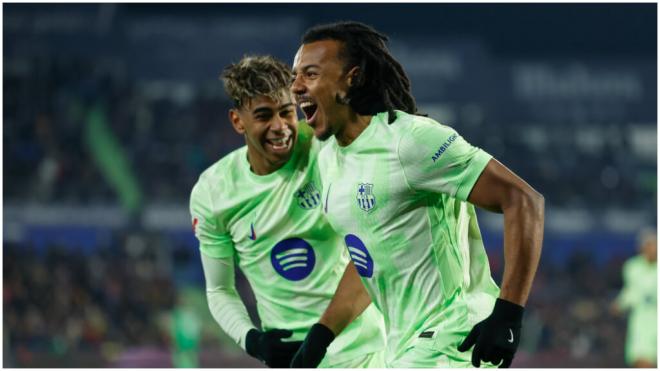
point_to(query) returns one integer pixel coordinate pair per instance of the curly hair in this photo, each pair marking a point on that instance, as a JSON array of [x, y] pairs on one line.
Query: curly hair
[[382, 84], [255, 76]]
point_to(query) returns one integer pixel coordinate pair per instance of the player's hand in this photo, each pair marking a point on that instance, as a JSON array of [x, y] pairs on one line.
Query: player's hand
[[269, 348], [496, 338], [313, 349]]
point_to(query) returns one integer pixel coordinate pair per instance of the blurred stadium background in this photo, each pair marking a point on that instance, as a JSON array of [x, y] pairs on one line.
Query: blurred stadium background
[[111, 111]]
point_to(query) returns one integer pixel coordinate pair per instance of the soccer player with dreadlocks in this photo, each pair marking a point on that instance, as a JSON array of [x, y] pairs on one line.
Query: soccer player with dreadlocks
[[259, 208], [402, 189]]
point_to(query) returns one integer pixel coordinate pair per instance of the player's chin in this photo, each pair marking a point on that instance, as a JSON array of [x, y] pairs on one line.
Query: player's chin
[[322, 132]]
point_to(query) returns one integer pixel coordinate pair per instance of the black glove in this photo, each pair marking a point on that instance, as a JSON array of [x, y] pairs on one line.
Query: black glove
[[269, 348], [496, 338], [313, 349]]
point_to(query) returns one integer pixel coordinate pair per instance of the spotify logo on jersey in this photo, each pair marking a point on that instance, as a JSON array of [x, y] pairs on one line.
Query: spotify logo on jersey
[[293, 258], [360, 255]]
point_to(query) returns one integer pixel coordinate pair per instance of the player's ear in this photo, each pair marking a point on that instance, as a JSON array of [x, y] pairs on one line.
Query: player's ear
[[236, 121], [352, 76]]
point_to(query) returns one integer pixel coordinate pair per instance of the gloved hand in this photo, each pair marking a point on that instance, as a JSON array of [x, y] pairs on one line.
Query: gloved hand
[[269, 348], [314, 346], [496, 338]]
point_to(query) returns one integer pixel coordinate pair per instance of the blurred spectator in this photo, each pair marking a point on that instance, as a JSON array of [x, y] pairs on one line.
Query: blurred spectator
[[185, 329], [639, 297]]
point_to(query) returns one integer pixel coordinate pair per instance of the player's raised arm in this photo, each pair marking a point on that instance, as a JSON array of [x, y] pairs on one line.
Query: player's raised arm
[[499, 189], [349, 301]]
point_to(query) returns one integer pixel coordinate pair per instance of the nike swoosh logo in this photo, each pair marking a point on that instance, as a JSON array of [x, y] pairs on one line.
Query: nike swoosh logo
[[510, 339], [253, 236], [326, 198]]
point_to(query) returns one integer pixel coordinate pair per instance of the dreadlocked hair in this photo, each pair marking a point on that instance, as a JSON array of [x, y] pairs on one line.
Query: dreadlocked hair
[[381, 83], [255, 76]]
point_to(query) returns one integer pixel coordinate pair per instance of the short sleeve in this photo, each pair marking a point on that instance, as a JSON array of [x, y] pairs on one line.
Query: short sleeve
[[435, 158], [214, 241]]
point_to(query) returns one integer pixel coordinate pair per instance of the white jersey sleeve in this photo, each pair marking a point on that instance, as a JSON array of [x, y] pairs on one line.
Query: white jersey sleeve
[[217, 255], [225, 304]]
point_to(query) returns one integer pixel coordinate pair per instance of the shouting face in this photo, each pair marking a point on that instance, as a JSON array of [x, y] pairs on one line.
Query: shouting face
[[320, 85]]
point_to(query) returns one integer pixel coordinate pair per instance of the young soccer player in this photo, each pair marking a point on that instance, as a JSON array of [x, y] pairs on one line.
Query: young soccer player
[[259, 208], [401, 189]]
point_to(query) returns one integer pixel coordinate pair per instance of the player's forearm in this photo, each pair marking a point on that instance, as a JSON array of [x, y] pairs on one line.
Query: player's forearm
[[523, 236], [225, 304], [349, 301], [230, 313]]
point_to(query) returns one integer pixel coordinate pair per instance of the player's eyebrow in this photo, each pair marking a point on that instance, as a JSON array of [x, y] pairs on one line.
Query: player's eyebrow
[[305, 68], [259, 110]]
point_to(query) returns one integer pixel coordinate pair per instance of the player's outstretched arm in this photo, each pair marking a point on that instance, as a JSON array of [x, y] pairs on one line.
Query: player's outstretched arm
[[349, 301], [498, 189], [229, 311]]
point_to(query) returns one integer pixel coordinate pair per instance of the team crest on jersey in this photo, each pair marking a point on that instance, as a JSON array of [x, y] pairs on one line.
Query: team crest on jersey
[[308, 197], [365, 196]]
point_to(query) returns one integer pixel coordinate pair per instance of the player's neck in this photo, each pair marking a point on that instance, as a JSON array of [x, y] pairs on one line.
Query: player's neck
[[353, 128], [260, 165]]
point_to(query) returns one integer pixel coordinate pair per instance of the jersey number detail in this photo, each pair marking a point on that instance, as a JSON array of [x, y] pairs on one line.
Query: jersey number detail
[[293, 258], [359, 255]]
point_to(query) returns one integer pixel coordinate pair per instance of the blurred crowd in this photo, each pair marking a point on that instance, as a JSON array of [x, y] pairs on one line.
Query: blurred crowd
[[94, 308], [63, 301], [60, 304], [170, 133], [168, 142], [570, 316]]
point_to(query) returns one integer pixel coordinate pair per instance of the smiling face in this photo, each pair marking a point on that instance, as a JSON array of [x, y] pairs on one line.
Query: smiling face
[[270, 127], [320, 86]]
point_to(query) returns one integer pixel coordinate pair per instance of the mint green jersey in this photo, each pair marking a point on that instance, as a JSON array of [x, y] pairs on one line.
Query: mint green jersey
[[274, 229], [397, 194], [640, 296]]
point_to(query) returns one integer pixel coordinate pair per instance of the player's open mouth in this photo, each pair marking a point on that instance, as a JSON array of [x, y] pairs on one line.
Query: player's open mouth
[[280, 144], [309, 109]]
